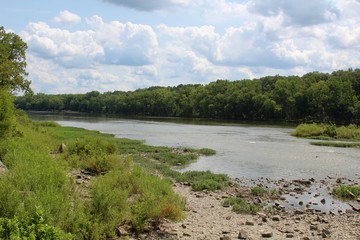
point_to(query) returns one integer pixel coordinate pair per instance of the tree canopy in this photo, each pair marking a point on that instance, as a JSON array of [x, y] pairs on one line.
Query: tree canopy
[[13, 62], [315, 96]]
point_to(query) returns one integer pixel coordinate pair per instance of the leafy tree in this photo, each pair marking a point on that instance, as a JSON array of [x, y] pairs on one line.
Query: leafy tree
[[13, 62]]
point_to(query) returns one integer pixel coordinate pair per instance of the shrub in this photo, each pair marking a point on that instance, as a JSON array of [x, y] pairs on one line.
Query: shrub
[[7, 120], [308, 130], [347, 191], [258, 191], [36, 228], [240, 205], [201, 180]]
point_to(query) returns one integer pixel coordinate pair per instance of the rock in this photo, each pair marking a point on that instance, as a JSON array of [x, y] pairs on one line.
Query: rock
[[249, 223], [3, 168], [186, 234], [266, 234], [290, 235], [276, 218], [183, 225], [358, 200], [62, 148], [298, 211], [225, 238], [314, 227], [323, 201], [325, 233], [243, 235], [354, 207], [121, 232]]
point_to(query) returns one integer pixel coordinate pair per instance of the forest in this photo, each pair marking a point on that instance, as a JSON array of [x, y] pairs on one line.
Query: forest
[[315, 96]]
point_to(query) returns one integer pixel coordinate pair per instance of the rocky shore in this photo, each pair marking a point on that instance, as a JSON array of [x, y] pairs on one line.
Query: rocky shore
[[298, 209]]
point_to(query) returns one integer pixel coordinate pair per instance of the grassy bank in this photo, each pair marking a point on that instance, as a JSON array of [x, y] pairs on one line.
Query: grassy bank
[[345, 136], [96, 185]]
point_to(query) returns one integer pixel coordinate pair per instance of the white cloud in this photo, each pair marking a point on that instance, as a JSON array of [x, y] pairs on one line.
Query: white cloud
[[241, 39], [66, 17], [125, 43], [297, 12], [149, 5]]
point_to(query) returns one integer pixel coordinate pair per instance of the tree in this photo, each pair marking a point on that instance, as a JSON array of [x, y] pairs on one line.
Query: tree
[[13, 63]]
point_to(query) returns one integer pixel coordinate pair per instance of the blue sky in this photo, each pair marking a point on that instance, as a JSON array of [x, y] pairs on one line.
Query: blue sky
[[106, 45]]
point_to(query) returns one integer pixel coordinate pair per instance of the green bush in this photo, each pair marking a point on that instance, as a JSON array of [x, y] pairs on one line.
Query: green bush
[[201, 180], [7, 120], [240, 205], [36, 228], [92, 154], [308, 130], [347, 191], [258, 191]]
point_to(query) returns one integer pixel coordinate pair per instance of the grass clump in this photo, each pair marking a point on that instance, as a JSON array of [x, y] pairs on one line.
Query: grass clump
[[258, 191], [347, 191], [201, 180], [240, 205], [337, 144]]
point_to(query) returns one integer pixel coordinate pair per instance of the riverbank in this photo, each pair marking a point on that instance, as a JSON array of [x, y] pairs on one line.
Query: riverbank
[[207, 218]]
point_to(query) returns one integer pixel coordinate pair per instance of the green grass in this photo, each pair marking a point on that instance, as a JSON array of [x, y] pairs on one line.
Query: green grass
[[337, 144], [123, 189], [240, 205], [329, 132], [258, 191], [347, 191]]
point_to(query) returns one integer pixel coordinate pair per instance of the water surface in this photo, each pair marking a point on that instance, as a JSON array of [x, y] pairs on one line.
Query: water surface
[[243, 150]]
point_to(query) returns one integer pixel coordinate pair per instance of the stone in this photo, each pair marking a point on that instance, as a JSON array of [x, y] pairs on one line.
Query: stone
[[243, 235], [225, 238], [249, 223], [323, 201], [3, 168], [121, 232], [298, 211], [276, 218], [62, 148], [290, 235], [314, 227], [266, 234]]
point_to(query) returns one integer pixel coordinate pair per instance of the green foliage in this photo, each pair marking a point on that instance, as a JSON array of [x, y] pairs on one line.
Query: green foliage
[[36, 228], [319, 97], [327, 131], [95, 155], [347, 191], [13, 62], [240, 205], [201, 180], [207, 151], [7, 120], [258, 191], [337, 144]]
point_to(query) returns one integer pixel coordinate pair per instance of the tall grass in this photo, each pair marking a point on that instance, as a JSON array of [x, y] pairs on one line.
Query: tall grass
[[327, 131], [39, 181]]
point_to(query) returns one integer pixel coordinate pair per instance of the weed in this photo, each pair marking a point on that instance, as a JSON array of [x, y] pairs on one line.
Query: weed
[[347, 191], [258, 191], [240, 205]]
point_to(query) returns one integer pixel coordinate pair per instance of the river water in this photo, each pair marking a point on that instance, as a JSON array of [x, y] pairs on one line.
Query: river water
[[243, 150]]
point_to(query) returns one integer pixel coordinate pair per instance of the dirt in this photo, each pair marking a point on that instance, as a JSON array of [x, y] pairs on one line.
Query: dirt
[[207, 218]]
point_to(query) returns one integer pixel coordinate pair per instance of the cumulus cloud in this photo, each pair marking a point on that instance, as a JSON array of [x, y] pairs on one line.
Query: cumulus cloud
[[243, 39], [297, 12], [105, 43], [66, 17], [148, 5], [125, 43]]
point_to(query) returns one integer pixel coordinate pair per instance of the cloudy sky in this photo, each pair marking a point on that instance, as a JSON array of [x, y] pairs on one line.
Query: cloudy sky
[[106, 45]]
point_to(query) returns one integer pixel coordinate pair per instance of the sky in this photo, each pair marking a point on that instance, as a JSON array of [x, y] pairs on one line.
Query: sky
[[122, 45]]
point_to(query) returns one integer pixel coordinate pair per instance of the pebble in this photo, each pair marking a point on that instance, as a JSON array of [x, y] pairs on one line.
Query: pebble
[[249, 223], [276, 218], [243, 235], [266, 234]]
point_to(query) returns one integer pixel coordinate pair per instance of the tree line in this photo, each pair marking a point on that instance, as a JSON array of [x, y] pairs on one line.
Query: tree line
[[313, 97]]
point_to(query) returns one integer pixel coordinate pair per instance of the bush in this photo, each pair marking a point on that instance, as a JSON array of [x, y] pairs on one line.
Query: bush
[[7, 120], [92, 154], [201, 180], [308, 130], [347, 191], [36, 228], [240, 205], [258, 191]]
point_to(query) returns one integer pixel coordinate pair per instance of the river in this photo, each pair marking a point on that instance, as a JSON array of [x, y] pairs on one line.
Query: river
[[243, 150]]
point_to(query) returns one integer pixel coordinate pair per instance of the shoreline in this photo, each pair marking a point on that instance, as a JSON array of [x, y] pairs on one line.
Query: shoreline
[[207, 218]]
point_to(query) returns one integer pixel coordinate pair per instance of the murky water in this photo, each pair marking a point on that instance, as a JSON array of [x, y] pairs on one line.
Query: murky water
[[243, 151]]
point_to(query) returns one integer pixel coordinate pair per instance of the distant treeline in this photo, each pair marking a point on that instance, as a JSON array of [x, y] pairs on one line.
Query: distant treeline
[[313, 97]]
